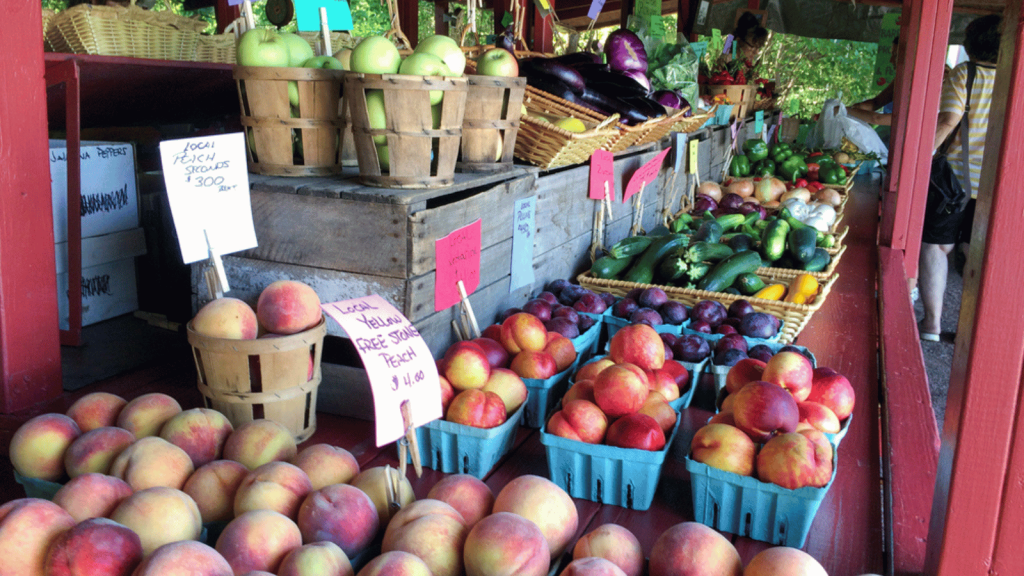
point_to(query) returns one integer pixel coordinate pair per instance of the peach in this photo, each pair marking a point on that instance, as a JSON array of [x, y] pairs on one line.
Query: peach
[[638, 344], [509, 386], [91, 495], [619, 391], [679, 372], [590, 370], [228, 318], [493, 332], [447, 393], [506, 544], [37, 447], [538, 365], [834, 391], [288, 307], [477, 408], [744, 371], [638, 431], [200, 432], [822, 447], [581, 390], [819, 416], [727, 403], [783, 561], [656, 407], [522, 331], [791, 370], [277, 486], [662, 381], [96, 547], [793, 461], [95, 450], [396, 563], [762, 409], [258, 442], [496, 354], [258, 540], [184, 558], [545, 504], [579, 420], [592, 566], [640, 372], [724, 418], [724, 447], [159, 516], [152, 461], [433, 531], [372, 482], [27, 528], [316, 559], [326, 464], [562, 350], [693, 548], [213, 487], [466, 366], [615, 544], [96, 410], [146, 415], [340, 513], [471, 496]]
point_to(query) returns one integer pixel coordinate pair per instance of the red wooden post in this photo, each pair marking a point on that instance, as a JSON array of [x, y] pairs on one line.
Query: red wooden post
[[29, 345], [225, 14], [543, 30], [978, 513], [409, 16]]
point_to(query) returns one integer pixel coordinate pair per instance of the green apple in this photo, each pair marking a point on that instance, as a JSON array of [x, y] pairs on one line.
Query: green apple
[[298, 49], [446, 49], [375, 55], [345, 57], [423, 64], [262, 47], [375, 111], [293, 94], [435, 116], [324, 63], [497, 62], [383, 157]]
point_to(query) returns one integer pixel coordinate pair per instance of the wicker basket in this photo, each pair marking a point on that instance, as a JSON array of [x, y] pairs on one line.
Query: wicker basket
[[742, 97], [47, 15], [218, 48], [124, 31], [794, 316], [543, 144], [764, 104], [695, 122], [491, 122]]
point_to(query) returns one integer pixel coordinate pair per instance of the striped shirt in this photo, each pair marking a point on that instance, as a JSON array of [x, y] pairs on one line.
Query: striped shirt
[[954, 94]]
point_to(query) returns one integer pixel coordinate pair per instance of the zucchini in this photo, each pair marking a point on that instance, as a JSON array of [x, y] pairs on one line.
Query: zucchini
[[826, 240], [740, 242], [707, 252], [698, 270], [659, 230], [732, 290], [681, 223], [819, 262], [749, 283], [725, 272], [773, 239], [730, 221], [642, 270], [709, 231], [607, 267], [672, 268], [800, 242], [786, 215], [631, 246]]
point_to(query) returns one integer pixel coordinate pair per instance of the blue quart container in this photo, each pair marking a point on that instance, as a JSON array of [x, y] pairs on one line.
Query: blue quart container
[[624, 477], [615, 324], [544, 394], [745, 506], [36, 488], [720, 372], [586, 343], [838, 436], [459, 449]]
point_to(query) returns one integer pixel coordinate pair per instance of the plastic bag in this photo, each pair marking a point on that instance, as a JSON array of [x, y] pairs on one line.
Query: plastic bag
[[671, 66], [834, 123]]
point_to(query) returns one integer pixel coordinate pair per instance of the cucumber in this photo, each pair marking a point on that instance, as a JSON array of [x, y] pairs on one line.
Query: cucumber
[[801, 243], [659, 230], [732, 290], [773, 239], [698, 270], [725, 272], [748, 283], [730, 221], [631, 246], [682, 223], [672, 268], [709, 231], [642, 270], [707, 252], [607, 267], [740, 242], [819, 262]]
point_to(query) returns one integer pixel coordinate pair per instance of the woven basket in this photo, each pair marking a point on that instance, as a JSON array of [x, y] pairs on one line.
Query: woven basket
[[543, 144], [794, 316], [695, 122], [47, 15], [218, 48], [765, 104], [124, 31], [339, 40]]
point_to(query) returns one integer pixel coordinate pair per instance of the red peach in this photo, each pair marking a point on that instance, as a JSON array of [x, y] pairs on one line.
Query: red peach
[[373, 482], [506, 544], [37, 447], [147, 414], [640, 372], [447, 393], [496, 354], [619, 391], [592, 567], [259, 540], [679, 372], [433, 531], [656, 407], [466, 366], [693, 548], [96, 547], [466, 493], [316, 559], [95, 450], [493, 332], [477, 408], [638, 431], [783, 561], [562, 350], [824, 451], [96, 410], [213, 487], [762, 409], [260, 441], [615, 544], [326, 464], [819, 416], [159, 516], [27, 528], [579, 420], [835, 392], [724, 447], [288, 307], [340, 513], [522, 331], [152, 461], [724, 418], [638, 344], [200, 432], [746, 370], [184, 558], [792, 461], [533, 364], [228, 318], [590, 370], [791, 370], [395, 563], [662, 381], [545, 504], [509, 386], [581, 390], [91, 496], [277, 486]]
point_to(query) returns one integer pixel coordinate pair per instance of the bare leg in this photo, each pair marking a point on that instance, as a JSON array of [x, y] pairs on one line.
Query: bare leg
[[933, 268]]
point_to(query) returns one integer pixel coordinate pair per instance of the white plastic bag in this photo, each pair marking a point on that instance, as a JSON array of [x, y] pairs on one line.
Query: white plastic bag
[[834, 123]]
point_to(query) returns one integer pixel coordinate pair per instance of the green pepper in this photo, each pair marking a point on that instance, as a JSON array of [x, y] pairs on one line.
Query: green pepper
[[740, 166], [780, 156], [792, 168], [826, 162], [755, 149], [765, 167], [832, 175]]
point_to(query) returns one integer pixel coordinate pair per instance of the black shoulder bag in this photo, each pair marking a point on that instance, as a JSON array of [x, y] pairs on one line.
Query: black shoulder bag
[[946, 195]]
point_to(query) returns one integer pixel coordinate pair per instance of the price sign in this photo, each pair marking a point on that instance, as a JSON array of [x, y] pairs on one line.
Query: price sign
[[523, 232], [759, 122], [727, 47], [723, 114], [307, 15], [602, 171], [208, 189], [700, 49], [678, 150], [694, 155], [397, 360], [595, 9], [458, 258], [644, 175]]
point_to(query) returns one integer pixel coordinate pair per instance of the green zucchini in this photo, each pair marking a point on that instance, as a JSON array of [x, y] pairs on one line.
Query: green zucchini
[[707, 252], [732, 290], [819, 262], [709, 231], [631, 246], [773, 239], [659, 230], [681, 223], [826, 240], [730, 221], [698, 270], [723, 274], [642, 270], [800, 242], [672, 268], [607, 267], [740, 242], [786, 215], [748, 283]]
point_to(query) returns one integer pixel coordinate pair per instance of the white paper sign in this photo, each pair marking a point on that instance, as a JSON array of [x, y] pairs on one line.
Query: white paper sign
[[397, 360], [208, 189], [523, 231]]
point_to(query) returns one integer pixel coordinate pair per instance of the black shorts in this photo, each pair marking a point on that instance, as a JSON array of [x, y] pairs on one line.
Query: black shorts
[[950, 228]]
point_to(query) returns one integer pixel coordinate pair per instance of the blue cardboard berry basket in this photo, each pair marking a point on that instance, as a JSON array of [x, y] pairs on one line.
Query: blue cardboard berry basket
[[615, 324], [720, 372], [459, 449], [746, 506], [37, 488], [626, 477], [544, 394], [586, 343]]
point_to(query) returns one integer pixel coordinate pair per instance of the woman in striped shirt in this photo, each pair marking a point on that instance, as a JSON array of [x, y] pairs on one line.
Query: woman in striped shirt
[[942, 231]]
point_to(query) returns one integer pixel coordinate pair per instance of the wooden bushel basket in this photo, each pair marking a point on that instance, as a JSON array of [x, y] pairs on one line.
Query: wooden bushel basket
[[417, 154], [267, 378], [280, 144], [491, 122], [742, 97]]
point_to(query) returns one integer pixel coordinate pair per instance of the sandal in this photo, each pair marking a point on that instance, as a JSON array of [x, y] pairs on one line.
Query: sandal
[[930, 337]]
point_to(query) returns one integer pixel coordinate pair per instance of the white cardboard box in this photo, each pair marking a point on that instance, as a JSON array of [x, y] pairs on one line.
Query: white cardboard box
[[110, 201], [108, 276]]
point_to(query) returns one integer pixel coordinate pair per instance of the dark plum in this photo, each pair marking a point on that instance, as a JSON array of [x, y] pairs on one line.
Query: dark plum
[[609, 298], [646, 316], [591, 303], [758, 325], [734, 322], [506, 313], [539, 308], [635, 294], [652, 298], [549, 296], [668, 337], [571, 293], [691, 348], [760, 352], [729, 357], [566, 312], [726, 329], [668, 350], [623, 308], [729, 342], [710, 311], [700, 326], [740, 308], [585, 323], [563, 326], [673, 312], [556, 286]]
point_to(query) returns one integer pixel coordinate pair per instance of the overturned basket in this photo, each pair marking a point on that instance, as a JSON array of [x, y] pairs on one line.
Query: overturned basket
[[124, 31]]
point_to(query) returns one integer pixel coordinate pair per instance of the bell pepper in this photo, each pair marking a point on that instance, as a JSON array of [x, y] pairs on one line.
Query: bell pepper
[[826, 162], [813, 169], [740, 166], [832, 175], [765, 167], [800, 183], [792, 168], [755, 149], [778, 147]]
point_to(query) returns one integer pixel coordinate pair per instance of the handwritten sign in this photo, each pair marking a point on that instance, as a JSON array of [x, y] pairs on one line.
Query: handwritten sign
[[109, 198], [595, 9], [458, 258], [700, 49], [727, 46], [208, 189], [307, 15], [759, 123], [644, 175], [723, 115], [694, 156], [678, 150], [523, 232], [602, 171], [397, 360], [734, 129]]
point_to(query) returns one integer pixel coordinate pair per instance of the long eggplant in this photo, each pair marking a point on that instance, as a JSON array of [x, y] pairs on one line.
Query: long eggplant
[[551, 85], [587, 68], [617, 82], [649, 107], [629, 113], [575, 58], [548, 67]]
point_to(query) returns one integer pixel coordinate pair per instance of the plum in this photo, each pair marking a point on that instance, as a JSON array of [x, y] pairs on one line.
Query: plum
[[691, 348], [729, 357], [760, 352], [586, 323], [635, 294], [740, 308], [734, 322], [710, 311], [668, 350], [563, 326], [571, 293], [609, 299], [506, 313], [556, 286], [730, 341], [591, 303], [726, 329], [646, 316], [673, 312], [700, 326], [549, 296], [623, 308], [668, 337], [758, 325], [652, 298], [566, 312], [539, 308]]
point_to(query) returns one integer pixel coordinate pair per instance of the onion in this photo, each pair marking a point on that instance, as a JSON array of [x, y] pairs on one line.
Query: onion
[[625, 51], [829, 196], [741, 186], [750, 206], [769, 189], [802, 193], [711, 189], [703, 204], [731, 200]]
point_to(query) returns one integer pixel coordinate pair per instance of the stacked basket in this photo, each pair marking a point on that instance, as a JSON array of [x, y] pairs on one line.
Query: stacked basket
[[124, 31]]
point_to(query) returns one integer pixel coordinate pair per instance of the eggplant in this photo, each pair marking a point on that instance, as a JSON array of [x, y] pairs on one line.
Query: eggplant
[[615, 83], [625, 51], [669, 98], [628, 113], [540, 67], [506, 40], [648, 107], [640, 78], [575, 58], [551, 85], [586, 69]]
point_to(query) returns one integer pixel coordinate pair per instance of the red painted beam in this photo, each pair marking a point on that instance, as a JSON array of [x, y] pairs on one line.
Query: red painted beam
[[543, 31], [409, 17], [979, 498], [29, 347]]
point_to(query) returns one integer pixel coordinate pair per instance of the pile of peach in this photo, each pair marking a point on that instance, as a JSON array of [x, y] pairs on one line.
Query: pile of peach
[[482, 379], [785, 407], [623, 399], [284, 307]]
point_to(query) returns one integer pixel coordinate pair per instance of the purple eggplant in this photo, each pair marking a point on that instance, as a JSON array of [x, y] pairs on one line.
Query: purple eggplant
[[625, 51]]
